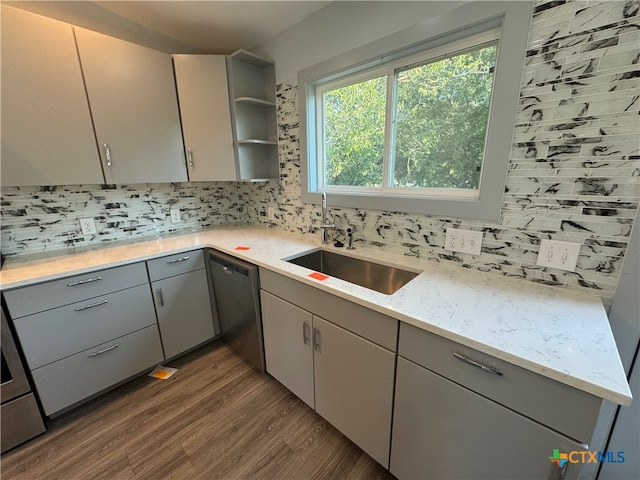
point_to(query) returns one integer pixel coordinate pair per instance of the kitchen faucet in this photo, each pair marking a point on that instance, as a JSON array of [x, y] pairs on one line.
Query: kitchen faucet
[[324, 226]]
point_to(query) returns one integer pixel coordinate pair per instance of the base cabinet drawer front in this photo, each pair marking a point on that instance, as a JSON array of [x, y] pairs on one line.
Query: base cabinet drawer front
[[70, 380], [55, 334], [563, 408], [184, 311], [442, 431], [288, 349], [177, 264], [354, 387], [372, 325], [45, 296]]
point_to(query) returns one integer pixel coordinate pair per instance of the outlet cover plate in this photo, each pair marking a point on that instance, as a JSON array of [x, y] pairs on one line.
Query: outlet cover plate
[[464, 241], [560, 255], [175, 215], [269, 212], [88, 226]]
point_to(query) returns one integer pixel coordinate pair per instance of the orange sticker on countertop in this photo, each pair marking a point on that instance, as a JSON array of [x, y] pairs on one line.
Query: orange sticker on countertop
[[318, 276], [240, 247]]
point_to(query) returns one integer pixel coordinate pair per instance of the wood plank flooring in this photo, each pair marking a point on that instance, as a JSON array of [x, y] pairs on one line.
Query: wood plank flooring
[[216, 418]]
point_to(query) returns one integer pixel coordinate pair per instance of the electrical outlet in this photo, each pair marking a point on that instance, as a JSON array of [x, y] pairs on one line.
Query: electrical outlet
[[88, 226], [465, 241], [175, 215], [560, 255], [269, 213]]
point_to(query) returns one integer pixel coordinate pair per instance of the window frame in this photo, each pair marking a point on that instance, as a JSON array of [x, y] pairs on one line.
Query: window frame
[[513, 20], [390, 70]]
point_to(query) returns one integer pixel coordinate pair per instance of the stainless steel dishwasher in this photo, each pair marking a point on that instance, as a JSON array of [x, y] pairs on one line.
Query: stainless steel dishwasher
[[237, 297]]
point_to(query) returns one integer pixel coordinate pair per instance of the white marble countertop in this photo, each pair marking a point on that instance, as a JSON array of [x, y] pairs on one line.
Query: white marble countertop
[[556, 333]]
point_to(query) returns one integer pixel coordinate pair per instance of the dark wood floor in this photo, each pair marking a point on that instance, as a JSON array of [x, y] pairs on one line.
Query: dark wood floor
[[216, 418]]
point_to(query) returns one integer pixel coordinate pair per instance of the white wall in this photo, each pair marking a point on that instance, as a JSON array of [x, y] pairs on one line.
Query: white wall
[[340, 27]]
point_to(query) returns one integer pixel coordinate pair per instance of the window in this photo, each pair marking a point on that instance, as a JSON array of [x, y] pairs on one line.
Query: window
[[424, 128]]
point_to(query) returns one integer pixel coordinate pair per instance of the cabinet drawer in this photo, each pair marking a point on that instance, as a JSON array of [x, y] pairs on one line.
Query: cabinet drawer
[[63, 383], [45, 296], [561, 407], [171, 265], [55, 334], [372, 325]]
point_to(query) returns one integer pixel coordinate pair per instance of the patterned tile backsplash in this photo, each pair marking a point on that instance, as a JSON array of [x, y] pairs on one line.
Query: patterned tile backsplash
[[574, 171], [37, 219]]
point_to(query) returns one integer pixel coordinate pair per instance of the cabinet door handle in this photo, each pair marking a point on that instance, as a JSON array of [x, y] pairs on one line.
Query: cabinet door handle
[[181, 259], [82, 282], [305, 332], [93, 305], [486, 368], [160, 298], [190, 157], [316, 339], [100, 352], [107, 154]]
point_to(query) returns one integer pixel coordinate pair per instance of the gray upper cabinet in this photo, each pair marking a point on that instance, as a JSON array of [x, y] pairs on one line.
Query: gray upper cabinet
[[253, 115], [47, 136], [206, 119], [133, 100]]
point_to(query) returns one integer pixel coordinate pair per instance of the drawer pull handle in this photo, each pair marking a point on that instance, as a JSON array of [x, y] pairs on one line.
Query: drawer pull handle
[[100, 352], [82, 282], [93, 305], [487, 369], [181, 259]]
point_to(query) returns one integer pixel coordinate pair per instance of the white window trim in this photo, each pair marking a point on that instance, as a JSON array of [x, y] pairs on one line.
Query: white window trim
[[513, 19]]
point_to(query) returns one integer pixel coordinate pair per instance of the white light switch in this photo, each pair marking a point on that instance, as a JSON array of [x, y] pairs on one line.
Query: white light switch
[[465, 241], [561, 255], [269, 212], [88, 226], [175, 215]]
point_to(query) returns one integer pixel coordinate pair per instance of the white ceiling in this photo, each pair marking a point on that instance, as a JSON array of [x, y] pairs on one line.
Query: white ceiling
[[210, 26]]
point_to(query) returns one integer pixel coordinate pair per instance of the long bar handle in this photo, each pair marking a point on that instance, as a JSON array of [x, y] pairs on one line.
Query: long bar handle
[[160, 297], [181, 259], [82, 282], [486, 368], [100, 352], [93, 305], [190, 157], [316, 339], [305, 332], [107, 154]]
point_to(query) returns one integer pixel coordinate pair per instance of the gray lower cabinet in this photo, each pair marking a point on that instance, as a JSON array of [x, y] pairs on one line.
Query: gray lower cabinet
[[354, 387], [83, 334], [453, 420], [183, 305], [442, 430], [346, 377], [71, 379], [288, 351]]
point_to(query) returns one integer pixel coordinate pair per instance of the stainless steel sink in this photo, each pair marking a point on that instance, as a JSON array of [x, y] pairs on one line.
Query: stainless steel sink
[[378, 277]]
